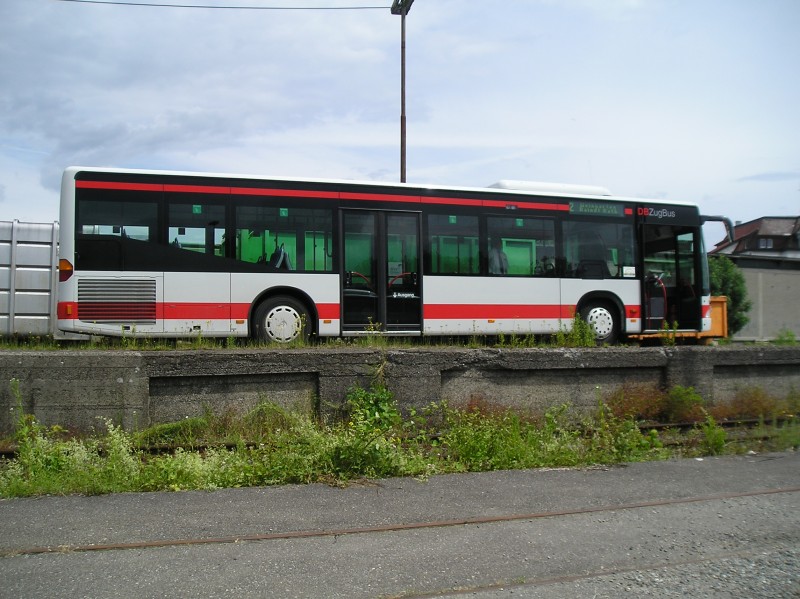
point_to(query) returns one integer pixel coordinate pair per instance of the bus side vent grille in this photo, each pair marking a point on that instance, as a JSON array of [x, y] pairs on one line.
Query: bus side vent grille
[[124, 301]]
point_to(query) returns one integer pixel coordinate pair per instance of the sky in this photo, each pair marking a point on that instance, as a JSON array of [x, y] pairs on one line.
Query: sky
[[686, 100]]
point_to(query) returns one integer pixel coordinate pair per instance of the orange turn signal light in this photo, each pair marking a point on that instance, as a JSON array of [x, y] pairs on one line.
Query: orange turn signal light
[[65, 270]]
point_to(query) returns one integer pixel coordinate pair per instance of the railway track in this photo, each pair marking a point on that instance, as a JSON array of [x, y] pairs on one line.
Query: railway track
[[395, 527], [726, 526], [746, 426]]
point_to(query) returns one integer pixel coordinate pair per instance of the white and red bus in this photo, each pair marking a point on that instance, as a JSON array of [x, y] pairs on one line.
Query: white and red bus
[[169, 254]]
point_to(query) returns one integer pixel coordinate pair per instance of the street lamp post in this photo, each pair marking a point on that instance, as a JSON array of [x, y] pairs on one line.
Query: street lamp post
[[401, 7]]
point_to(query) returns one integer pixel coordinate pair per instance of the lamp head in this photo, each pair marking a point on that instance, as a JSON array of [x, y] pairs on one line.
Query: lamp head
[[400, 7]]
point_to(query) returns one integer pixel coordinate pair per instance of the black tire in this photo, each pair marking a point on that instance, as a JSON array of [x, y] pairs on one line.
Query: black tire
[[281, 319], [604, 319]]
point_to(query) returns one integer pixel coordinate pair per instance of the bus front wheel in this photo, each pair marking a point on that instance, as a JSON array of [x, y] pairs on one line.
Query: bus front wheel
[[281, 319], [604, 322]]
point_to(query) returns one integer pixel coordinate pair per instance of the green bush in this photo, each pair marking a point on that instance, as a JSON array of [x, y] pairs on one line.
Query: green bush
[[713, 440], [683, 404], [727, 279], [276, 446]]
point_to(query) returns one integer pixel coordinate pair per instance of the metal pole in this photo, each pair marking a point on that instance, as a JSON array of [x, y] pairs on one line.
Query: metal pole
[[401, 7], [403, 95]]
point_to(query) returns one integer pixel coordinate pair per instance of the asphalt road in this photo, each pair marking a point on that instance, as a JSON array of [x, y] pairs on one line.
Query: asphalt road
[[717, 527]]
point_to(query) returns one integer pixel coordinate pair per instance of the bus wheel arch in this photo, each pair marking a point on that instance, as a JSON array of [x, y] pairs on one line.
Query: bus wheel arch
[[605, 313], [282, 315]]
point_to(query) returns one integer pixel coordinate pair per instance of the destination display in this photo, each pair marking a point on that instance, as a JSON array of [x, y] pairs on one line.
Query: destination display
[[586, 208]]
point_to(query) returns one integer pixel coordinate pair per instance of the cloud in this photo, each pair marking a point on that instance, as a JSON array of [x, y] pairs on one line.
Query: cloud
[[635, 95], [122, 86], [772, 176]]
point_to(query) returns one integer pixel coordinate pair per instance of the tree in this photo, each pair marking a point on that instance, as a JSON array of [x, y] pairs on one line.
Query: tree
[[727, 279]]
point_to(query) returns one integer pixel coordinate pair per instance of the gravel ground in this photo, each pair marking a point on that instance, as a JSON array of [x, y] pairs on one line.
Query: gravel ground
[[773, 575], [717, 527]]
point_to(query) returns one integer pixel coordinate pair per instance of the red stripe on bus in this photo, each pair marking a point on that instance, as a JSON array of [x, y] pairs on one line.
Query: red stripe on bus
[[240, 311], [377, 197], [488, 311], [329, 311], [451, 201], [177, 311], [116, 185], [195, 311], [510, 203], [505, 204], [506, 311], [325, 311], [210, 189], [291, 193]]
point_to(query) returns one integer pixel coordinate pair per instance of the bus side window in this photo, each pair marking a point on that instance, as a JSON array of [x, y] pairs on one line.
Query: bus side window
[[597, 251], [115, 215], [197, 227], [521, 246], [284, 238], [281, 259], [114, 230], [453, 247]]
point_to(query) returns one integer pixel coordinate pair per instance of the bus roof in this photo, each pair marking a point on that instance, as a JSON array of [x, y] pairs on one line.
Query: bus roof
[[543, 187], [510, 186]]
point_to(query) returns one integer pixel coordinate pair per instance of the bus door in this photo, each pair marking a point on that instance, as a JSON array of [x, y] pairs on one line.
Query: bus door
[[381, 280], [673, 287]]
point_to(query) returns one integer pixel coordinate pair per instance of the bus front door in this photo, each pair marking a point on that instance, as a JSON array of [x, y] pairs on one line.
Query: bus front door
[[673, 283], [381, 279]]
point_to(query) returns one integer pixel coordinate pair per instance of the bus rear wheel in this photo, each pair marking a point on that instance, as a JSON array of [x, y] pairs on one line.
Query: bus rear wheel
[[604, 322], [281, 319]]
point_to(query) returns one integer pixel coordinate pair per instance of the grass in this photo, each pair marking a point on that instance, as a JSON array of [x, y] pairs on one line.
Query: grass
[[648, 403], [270, 445], [576, 333]]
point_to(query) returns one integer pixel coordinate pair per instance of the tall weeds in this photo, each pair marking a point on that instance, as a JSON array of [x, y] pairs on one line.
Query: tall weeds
[[270, 445]]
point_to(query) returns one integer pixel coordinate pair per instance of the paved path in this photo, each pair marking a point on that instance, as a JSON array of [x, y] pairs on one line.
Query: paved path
[[719, 527]]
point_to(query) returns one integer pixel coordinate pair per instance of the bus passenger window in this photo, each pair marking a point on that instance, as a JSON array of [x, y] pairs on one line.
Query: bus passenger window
[[131, 219], [115, 229], [453, 244], [498, 259], [595, 250], [284, 238], [521, 246], [197, 228]]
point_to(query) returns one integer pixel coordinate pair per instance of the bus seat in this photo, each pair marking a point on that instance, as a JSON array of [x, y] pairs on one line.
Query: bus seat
[[280, 259]]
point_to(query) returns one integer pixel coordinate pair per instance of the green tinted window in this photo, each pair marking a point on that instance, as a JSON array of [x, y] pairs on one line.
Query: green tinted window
[[303, 235], [453, 242], [521, 246]]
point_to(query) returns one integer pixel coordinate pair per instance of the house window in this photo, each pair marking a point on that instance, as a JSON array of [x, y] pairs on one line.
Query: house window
[[765, 244]]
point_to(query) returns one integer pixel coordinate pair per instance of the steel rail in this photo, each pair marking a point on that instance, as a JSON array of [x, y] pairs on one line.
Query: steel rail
[[308, 534]]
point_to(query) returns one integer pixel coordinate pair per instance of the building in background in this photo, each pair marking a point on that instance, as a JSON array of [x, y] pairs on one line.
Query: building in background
[[767, 250]]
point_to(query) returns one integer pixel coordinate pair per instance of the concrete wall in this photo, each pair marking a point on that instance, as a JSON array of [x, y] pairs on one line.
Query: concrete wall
[[137, 389], [775, 295]]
